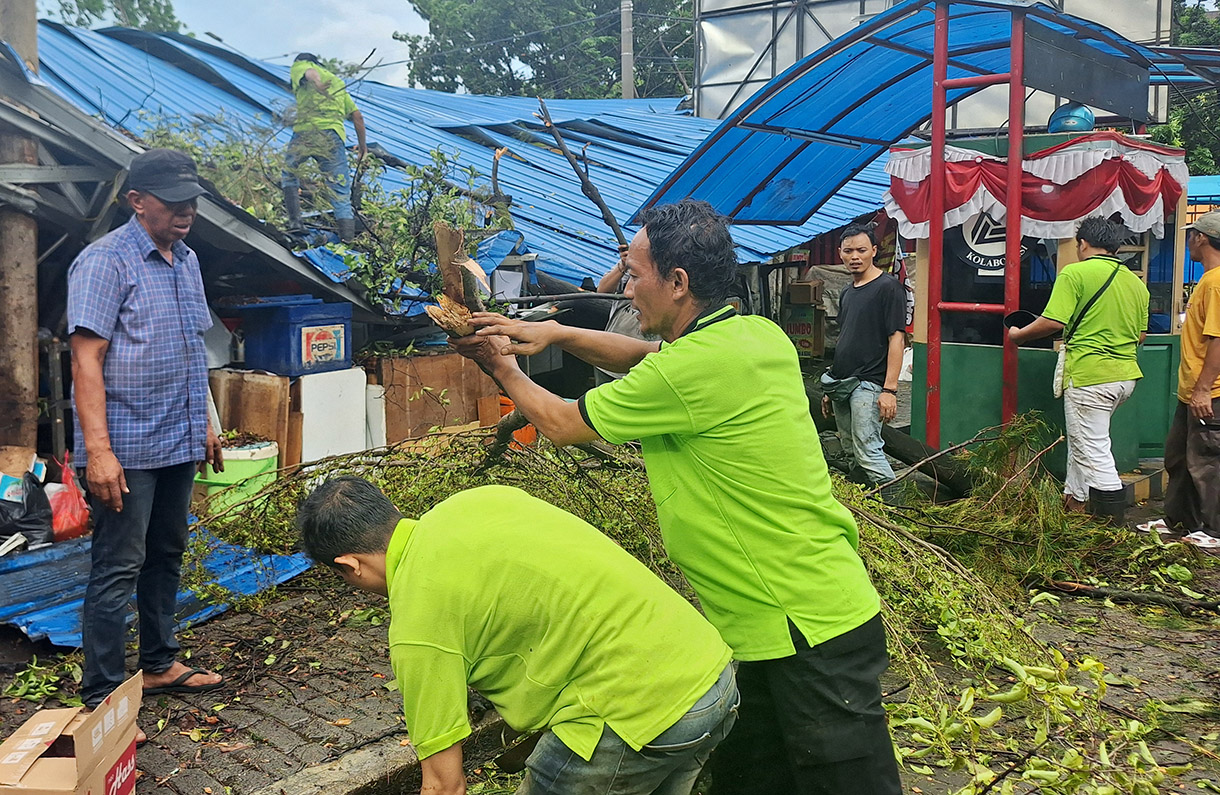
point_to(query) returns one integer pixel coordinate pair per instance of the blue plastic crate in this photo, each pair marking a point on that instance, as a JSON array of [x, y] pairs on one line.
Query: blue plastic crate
[[297, 335]]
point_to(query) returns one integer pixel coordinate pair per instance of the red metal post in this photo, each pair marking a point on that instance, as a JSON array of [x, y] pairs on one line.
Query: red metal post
[[936, 223], [1012, 201]]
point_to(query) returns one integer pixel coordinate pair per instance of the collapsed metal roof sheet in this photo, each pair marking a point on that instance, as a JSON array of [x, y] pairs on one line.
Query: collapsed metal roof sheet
[[42, 592], [132, 80], [800, 140]]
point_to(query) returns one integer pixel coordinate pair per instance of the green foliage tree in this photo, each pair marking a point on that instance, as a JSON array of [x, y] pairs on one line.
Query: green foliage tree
[[1194, 120], [550, 48], [152, 15]]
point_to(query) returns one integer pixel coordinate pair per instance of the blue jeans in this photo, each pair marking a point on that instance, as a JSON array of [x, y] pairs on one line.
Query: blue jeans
[[326, 147], [859, 421], [669, 765], [136, 550]]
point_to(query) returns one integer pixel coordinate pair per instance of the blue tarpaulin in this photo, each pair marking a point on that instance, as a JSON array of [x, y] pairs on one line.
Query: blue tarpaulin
[[42, 592]]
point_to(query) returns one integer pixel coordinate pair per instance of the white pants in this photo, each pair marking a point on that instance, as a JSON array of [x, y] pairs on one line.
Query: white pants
[[1090, 463]]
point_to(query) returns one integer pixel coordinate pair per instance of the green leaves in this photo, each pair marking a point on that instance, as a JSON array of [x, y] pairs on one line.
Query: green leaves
[[550, 48]]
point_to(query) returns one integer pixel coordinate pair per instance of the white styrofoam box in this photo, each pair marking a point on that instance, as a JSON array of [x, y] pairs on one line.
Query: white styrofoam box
[[333, 408], [374, 416]]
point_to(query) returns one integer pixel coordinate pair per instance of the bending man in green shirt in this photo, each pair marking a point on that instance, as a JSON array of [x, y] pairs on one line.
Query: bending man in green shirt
[[744, 501], [550, 620], [1100, 370], [318, 132]]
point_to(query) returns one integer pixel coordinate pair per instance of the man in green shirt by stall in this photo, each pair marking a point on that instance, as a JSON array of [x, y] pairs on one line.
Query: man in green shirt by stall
[[557, 626], [1103, 306], [318, 132], [744, 502]]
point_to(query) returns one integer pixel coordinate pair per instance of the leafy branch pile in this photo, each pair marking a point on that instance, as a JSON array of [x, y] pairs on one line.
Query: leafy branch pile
[[979, 695]]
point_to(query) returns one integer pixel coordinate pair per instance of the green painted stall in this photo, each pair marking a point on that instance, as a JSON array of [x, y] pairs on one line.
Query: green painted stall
[[970, 401]]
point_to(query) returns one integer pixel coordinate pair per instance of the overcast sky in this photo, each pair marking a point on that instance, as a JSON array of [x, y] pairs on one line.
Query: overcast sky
[[345, 29]]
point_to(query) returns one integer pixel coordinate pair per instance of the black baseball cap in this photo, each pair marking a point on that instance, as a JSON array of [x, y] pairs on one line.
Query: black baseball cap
[[169, 175]]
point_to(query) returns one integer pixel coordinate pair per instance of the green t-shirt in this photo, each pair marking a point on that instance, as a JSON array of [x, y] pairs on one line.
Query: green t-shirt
[[1103, 348], [742, 490], [549, 619], [315, 111]]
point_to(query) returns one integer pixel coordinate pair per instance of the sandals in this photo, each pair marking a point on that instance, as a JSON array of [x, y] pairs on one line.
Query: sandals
[[179, 685]]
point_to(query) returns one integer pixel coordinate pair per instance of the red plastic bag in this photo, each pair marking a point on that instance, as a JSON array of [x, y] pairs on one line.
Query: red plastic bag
[[69, 512]]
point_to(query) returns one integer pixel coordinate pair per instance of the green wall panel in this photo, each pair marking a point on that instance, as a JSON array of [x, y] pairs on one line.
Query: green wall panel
[[971, 378]]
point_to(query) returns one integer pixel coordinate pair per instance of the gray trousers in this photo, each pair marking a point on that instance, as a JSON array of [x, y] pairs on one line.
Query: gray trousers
[[1192, 459]]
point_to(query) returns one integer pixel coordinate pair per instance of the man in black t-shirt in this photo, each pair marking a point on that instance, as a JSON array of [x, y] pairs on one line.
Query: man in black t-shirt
[[862, 384]]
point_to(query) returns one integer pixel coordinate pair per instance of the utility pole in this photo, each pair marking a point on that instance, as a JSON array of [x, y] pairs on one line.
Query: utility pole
[[19, 261], [627, 33]]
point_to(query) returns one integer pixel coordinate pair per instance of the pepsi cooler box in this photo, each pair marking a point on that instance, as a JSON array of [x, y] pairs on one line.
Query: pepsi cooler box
[[296, 335]]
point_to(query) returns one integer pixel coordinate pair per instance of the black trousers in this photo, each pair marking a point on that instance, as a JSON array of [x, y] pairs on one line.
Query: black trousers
[[812, 723], [1192, 459]]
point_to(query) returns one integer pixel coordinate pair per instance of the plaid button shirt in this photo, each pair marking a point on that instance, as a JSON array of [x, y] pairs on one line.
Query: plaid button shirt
[[154, 316]]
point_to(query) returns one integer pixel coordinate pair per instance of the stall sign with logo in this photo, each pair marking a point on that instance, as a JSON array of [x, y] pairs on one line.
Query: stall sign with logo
[[980, 242], [321, 344]]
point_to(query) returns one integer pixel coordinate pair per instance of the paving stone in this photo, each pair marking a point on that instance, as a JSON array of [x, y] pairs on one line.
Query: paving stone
[[265, 757], [193, 781], [326, 684], [243, 779], [238, 718], [155, 761], [287, 714], [276, 734], [317, 730], [312, 753], [323, 707]]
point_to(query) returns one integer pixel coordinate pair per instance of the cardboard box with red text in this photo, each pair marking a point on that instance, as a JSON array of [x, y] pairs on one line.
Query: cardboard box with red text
[[66, 752]]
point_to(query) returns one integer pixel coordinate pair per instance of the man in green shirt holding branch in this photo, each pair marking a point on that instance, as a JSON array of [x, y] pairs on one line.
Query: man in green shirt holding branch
[[744, 502], [550, 620]]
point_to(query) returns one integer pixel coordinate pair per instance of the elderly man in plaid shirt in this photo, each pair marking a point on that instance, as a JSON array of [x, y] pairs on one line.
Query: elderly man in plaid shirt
[[136, 316]]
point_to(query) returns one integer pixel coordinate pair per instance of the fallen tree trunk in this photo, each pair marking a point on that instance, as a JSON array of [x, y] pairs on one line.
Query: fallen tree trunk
[[1183, 606], [947, 470]]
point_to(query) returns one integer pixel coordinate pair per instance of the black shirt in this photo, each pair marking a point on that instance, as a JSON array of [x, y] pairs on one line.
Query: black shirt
[[868, 316]]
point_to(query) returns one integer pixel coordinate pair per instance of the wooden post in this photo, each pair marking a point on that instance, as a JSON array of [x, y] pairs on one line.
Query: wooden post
[[19, 260], [1179, 266]]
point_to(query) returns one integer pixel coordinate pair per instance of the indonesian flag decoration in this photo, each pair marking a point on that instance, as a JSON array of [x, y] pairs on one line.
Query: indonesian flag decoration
[[1098, 174]]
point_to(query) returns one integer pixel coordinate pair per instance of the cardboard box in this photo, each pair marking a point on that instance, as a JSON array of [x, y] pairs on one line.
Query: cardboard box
[[806, 326], [805, 292], [65, 752]]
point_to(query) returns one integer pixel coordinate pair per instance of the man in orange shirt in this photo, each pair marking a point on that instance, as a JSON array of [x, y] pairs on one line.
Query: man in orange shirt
[[1192, 450]]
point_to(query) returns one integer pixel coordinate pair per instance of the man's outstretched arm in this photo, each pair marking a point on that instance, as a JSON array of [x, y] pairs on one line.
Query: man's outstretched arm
[[554, 417], [607, 350]]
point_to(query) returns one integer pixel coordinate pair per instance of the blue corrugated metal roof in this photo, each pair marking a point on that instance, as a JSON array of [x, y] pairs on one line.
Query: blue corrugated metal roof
[[128, 78], [42, 592], [1203, 189], [801, 138]]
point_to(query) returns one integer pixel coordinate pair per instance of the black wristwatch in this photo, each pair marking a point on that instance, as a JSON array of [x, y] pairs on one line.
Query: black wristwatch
[[889, 391]]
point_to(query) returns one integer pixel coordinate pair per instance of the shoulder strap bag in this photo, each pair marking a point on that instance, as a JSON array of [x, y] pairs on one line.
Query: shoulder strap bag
[[1061, 361]]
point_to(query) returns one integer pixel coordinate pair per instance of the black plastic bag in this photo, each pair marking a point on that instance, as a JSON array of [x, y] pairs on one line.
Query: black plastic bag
[[31, 517]]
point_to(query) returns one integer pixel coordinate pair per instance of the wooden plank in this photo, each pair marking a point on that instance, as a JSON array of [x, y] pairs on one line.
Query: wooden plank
[[291, 451], [429, 391], [253, 402], [489, 410]]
